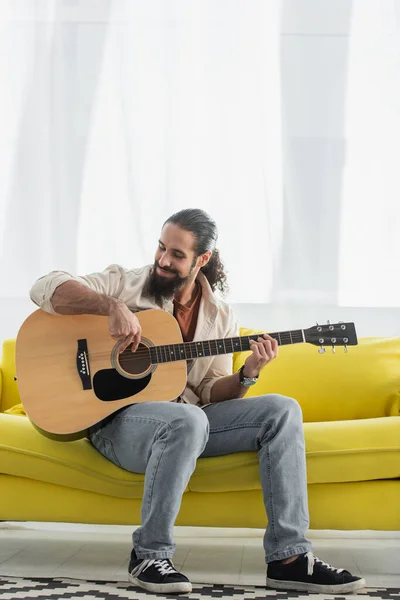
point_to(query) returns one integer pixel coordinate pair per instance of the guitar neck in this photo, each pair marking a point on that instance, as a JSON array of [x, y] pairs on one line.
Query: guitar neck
[[190, 350]]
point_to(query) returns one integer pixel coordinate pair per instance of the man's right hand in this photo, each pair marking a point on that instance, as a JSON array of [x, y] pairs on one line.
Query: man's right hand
[[124, 325]]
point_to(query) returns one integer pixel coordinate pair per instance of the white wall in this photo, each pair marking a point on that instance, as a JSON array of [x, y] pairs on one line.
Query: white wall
[[368, 321]]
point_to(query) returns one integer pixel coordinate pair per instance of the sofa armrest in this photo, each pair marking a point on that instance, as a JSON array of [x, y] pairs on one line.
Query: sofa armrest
[[1, 389], [9, 388]]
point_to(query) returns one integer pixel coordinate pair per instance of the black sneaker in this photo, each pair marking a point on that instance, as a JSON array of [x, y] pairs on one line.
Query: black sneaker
[[157, 575], [309, 574]]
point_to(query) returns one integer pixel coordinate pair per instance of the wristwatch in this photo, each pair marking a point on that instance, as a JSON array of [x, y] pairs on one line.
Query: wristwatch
[[246, 381]]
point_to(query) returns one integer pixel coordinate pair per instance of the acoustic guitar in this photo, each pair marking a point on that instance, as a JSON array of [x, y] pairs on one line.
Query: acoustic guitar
[[71, 374]]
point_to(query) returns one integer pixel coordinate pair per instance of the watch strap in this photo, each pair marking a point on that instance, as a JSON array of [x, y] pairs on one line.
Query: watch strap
[[246, 381]]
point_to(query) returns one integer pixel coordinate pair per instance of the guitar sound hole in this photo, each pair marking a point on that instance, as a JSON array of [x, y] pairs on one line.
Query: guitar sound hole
[[135, 363]]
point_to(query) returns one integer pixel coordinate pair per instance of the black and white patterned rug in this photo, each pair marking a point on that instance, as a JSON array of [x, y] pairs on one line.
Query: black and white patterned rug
[[13, 588]]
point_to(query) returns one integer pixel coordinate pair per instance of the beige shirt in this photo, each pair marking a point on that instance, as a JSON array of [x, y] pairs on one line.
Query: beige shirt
[[215, 320]]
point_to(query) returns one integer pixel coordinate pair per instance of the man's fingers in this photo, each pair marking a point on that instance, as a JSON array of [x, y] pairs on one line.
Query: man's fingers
[[127, 338], [254, 347], [269, 349], [125, 343], [135, 342], [274, 344], [264, 348]]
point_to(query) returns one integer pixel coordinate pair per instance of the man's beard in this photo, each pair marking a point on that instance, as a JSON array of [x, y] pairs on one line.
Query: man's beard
[[164, 288]]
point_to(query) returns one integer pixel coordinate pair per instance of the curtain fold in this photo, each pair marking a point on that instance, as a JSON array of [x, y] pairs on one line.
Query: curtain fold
[[279, 118]]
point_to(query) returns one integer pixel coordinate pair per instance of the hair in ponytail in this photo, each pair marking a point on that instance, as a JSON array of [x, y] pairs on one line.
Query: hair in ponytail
[[205, 231]]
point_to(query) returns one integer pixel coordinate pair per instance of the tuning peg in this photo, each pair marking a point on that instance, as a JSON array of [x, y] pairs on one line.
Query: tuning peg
[[346, 348], [333, 349], [322, 350]]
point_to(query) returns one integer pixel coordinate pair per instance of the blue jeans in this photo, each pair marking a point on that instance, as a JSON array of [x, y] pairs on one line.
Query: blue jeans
[[164, 440]]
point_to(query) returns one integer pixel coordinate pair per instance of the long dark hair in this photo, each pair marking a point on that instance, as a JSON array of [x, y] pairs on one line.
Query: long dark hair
[[205, 231]]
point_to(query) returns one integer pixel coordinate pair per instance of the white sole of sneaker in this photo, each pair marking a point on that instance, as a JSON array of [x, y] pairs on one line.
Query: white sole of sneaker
[[162, 588], [300, 586]]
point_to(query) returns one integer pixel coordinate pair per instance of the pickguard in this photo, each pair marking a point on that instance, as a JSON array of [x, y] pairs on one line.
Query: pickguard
[[109, 385]]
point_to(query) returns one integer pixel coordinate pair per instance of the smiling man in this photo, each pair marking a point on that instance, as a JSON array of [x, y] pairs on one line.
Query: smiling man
[[211, 418]]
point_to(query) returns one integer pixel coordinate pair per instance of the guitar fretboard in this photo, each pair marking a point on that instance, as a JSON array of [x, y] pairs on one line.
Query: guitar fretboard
[[190, 350]]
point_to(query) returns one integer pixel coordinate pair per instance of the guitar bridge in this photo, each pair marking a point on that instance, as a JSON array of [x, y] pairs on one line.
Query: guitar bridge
[[82, 364]]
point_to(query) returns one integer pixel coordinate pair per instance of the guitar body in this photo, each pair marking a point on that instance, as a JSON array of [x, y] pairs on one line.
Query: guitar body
[[70, 375]]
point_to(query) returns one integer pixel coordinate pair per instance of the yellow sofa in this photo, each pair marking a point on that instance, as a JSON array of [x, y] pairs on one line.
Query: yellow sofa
[[351, 409]]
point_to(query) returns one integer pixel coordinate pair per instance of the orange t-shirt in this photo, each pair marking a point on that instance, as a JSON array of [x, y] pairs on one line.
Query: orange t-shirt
[[187, 316]]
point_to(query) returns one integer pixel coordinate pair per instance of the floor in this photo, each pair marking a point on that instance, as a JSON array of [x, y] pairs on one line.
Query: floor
[[230, 556]]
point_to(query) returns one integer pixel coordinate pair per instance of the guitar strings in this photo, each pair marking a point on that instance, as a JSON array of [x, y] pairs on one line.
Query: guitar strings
[[192, 346], [189, 347]]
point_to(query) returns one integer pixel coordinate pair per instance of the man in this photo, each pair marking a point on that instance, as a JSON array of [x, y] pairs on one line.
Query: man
[[164, 439]]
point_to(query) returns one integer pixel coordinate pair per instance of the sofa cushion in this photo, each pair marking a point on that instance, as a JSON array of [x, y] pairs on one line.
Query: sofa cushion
[[27, 453], [361, 384], [336, 452]]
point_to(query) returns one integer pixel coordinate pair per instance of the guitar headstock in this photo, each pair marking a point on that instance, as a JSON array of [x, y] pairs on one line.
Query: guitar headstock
[[332, 334]]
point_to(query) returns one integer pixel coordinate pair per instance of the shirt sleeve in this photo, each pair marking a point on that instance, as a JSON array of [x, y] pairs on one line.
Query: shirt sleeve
[[221, 365], [109, 282]]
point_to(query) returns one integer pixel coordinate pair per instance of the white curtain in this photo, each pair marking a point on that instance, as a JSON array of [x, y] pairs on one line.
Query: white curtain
[[370, 216], [279, 118], [121, 113]]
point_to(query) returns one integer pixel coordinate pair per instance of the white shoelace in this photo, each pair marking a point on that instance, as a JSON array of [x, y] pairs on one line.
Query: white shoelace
[[162, 565], [313, 559]]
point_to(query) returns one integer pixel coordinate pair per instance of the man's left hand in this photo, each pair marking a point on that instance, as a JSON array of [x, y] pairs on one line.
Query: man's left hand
[[263, 350]]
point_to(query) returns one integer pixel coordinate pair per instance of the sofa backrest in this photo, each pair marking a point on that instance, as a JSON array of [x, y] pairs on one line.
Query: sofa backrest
[[360, 384], [364, 383]]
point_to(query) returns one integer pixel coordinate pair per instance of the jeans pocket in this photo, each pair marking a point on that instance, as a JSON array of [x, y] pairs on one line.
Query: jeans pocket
[[105, 447]]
